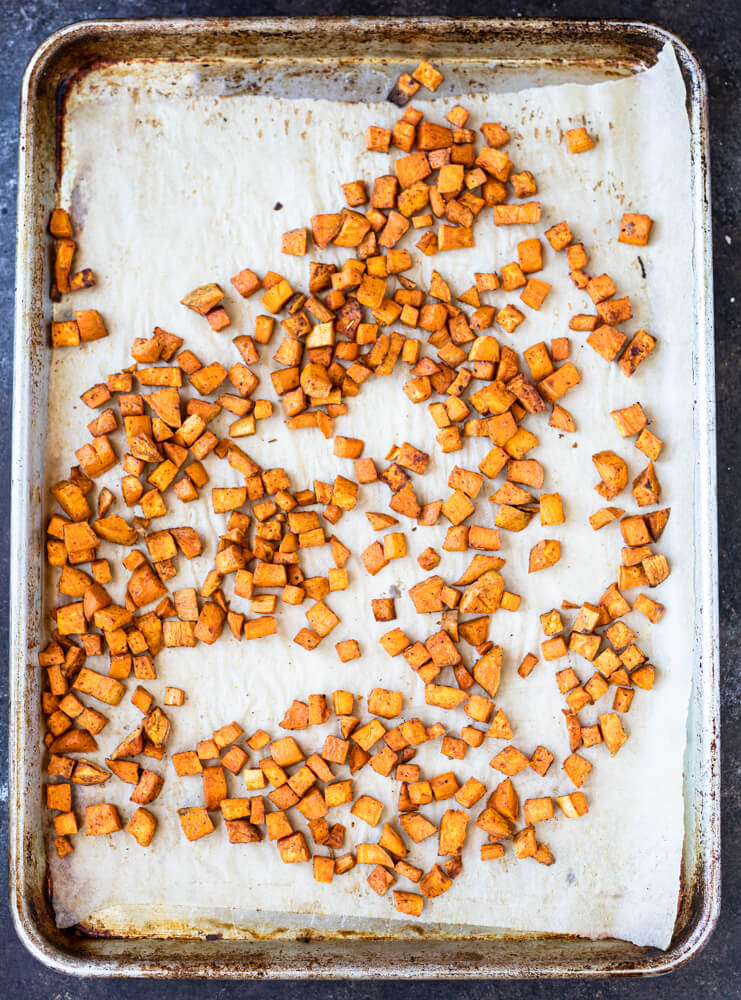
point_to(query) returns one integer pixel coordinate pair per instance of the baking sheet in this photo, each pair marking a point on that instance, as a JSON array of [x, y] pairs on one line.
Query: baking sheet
[[187, 199]]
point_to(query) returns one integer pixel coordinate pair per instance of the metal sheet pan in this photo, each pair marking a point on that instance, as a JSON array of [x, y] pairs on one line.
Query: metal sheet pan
[[261, 55]]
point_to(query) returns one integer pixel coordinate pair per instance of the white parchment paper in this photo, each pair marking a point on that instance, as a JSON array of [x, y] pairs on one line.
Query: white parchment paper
[[168, 192]]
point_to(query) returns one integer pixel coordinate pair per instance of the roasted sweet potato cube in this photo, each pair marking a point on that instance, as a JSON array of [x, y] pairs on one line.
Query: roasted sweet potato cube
[[142, 826], [453, 748], [612, 732], [98, 686], [65, 824], [293, 848], [335, 750], [578, 140], [286, 752], [323, 869], [607, 341], [577, 769], [538, 810], [613, 471], [383, 609], [544, 554], [241, 831], [442, 696], [380, 880], [524, 843], [246, 282], [636, 352], [492, 852], [410, 903], [157, 727], [642, 677], [204, 298], [442, 650], [535, 292], [387, 704], [622, 700], [457, 508], [338, 793], [651, 609], [452, 833], [101, 818], [635, 229], [368, 809], [541, 760], [649, 444], [214, 787], [395, 642], [312, 805], [427, 75], [377, 139], [59, 797], [294, 242], [573, 805], [500, 728], [90, 325], [629, 420], [596, 686], [510, 761], [321, 619], [646, 487], [498, 825], [148, 787], [195, 822], [434, 883], [278, 825], [81, 279], [210, 623], [187, 763], [551, 509]]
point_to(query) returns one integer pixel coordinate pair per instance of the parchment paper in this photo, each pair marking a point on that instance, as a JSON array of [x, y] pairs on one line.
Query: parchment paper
[[168, 192]]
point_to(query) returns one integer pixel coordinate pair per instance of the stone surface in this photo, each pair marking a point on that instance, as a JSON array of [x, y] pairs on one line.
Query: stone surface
[[712, 32]]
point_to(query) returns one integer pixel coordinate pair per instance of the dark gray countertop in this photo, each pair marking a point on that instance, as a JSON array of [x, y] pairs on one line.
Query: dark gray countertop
[[712, 31]]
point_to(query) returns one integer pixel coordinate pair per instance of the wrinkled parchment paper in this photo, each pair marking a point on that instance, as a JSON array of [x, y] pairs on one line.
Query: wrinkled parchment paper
[[168, 192]]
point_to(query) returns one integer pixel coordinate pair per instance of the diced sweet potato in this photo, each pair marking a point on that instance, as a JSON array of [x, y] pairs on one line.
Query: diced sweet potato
[[101, 819]]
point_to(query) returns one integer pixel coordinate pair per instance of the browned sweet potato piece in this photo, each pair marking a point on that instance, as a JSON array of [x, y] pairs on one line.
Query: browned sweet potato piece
[[203, 298], [573, 805], [484, 596], [142, 826], [293, 849], [544, 554], [196, 822], [635, 229], [613, 472], [101, 819]]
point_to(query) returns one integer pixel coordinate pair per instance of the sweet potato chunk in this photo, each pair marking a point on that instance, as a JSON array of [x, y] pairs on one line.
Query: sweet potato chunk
[[613, 472], [203, 298], [101, 819], [195, 822], [452, 833], [578, 140], [510, 761], [546, 553], [142, 826], [573, 805], [635, 229], [612, 732]]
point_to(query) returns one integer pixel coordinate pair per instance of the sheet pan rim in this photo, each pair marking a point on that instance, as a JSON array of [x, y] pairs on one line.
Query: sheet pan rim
[[27, 921]]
